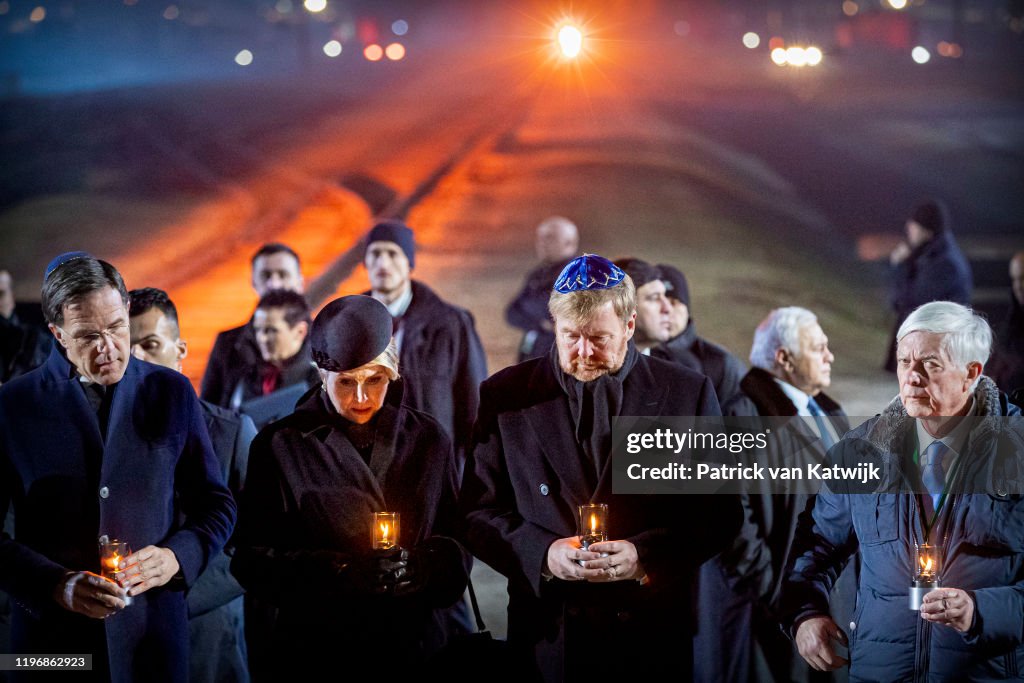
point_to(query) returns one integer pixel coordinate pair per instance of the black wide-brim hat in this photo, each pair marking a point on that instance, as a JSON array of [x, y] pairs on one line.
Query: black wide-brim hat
[[350, 332]]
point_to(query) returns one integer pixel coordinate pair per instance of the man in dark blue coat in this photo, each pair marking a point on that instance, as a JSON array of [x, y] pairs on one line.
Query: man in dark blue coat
[[929, 266], [949, 459], [543, 447], [95, 445], [215, 602]]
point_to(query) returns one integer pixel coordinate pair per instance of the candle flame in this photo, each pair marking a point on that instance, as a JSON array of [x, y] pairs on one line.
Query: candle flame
[[384, 529], [926, 564], [593, 523]]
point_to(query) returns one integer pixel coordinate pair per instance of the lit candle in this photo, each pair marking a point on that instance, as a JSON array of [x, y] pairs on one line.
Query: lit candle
[[385, 527], [112, 554], [926, 573], [593, 526]]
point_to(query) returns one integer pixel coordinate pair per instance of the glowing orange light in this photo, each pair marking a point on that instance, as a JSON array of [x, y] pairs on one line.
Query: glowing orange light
[[395, 51], [570, 41], [373, 52], [593, 524]]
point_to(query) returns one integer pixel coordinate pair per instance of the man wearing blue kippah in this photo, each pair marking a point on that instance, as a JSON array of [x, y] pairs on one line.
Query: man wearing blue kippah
[[542, 448]]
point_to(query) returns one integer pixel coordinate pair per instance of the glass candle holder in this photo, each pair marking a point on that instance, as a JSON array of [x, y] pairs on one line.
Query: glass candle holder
[[593, 524], [926, 573], [112, 554], [386, 526]]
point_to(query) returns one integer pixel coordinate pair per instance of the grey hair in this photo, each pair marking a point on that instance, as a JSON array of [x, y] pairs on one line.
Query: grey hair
[[967, 335], [779, 330], [74, 280]]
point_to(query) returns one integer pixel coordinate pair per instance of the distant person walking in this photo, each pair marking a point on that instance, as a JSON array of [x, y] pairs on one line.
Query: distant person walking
[[1007, 366], [929, 266], [558, 240]]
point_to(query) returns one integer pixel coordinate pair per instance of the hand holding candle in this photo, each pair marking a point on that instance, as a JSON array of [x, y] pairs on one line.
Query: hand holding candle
[[148, 568]]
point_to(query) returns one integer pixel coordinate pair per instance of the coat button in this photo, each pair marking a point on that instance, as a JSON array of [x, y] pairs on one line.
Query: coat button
[[544, 489], [104, 492], [853, 625], [104, 539], [1002, 491]]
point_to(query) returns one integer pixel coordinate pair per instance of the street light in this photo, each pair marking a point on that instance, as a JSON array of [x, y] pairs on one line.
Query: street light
[[570, 41]]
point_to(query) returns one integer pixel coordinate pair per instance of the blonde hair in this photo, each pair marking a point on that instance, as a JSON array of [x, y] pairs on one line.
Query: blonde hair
[[580, 306]]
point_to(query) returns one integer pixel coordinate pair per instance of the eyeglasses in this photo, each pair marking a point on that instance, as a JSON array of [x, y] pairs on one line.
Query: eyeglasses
[[88, 340]]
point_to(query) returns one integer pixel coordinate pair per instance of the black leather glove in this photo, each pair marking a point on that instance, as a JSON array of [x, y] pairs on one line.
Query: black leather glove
[[377, 573], [436, 571]]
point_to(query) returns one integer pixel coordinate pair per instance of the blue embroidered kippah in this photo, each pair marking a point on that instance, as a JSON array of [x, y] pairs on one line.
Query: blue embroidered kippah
[[62, 259], [589, 271]]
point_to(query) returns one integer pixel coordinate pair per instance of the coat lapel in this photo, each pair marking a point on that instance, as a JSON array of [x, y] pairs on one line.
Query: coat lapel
[[71, 395], [548, 420], [636, 402]]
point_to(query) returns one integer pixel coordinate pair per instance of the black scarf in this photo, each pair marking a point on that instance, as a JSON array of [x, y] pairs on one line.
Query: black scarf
[[593, 404]]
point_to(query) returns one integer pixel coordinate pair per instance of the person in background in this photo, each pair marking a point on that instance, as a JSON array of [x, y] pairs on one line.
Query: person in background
[[1007, 365], [928, 266], [685, 347], [274, 266], [216, 620], [558, 240]]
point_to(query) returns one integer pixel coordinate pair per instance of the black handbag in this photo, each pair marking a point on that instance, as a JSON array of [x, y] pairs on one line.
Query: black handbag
[[475, 656]]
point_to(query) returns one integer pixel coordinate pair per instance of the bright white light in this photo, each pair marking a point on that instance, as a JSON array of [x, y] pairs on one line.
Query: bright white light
[[395, 51], [920, 54], [332, 48], [897, 4], [315, 5], [243, 58], [400, 27], [570, 41], [796, 56], [751, 39], [779, 56], [814, 56]]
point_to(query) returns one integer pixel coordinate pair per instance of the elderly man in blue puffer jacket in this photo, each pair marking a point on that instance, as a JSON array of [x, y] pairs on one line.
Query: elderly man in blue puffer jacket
[[952, 469]]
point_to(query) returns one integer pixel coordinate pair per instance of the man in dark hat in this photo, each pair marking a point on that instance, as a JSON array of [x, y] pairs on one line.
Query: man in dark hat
[[653, 312], [543, 447], [557, 242], [95, 446], [443, 361], [216, 621], [274, 266], [928, 266], [684, 346]]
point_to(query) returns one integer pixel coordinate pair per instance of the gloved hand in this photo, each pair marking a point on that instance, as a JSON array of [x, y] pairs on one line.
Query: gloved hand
[[377, 573], [435, 570]]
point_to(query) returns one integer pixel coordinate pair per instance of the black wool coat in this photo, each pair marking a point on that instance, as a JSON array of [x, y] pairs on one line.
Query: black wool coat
[[522, 485], [307, 508]]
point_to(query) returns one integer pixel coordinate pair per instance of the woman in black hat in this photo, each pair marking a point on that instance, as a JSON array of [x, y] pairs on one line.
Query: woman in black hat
[[316, 477]]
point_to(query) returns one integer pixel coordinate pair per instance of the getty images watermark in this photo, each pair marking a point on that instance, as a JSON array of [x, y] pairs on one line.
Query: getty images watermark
[[787, 455]]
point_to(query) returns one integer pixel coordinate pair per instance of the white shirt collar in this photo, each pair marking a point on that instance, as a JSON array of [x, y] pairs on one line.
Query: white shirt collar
[[399, 306], [798, 397], [955, 440]]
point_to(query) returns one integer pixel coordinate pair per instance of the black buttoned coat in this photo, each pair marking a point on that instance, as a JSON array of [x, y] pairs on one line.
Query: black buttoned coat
[[522, 484]]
